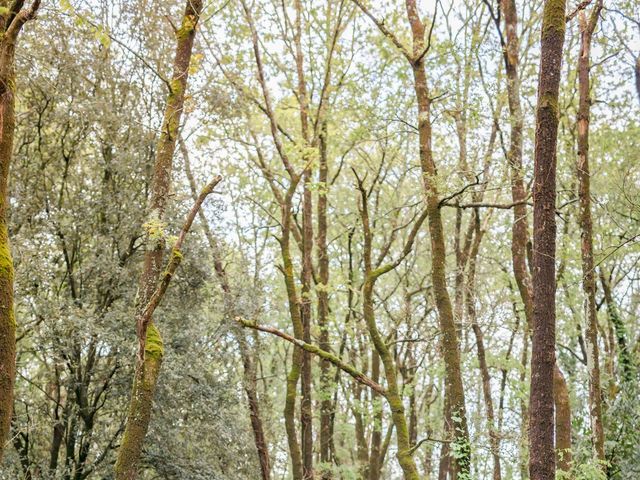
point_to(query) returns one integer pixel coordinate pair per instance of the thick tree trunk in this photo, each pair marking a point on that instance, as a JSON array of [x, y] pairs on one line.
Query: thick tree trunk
[[587, 27], [11, 23], [150, 350], [543, 358]]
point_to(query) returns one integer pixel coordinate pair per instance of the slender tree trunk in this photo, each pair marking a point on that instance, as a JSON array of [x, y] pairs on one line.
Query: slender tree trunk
[[563, 422], [296, 360], [587, 27], [625, 362], [150, 343], [376, 436], [392, 394], [494, 440], [543, 357], [404, 454], [519, 231], [306, 414], [519, 228], [248, 360], [326, 405], [454, 389], [11, 23], [637, 72]]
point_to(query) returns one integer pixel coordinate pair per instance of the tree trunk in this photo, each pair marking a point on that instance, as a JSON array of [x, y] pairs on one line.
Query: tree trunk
[[494, 439], [454, 389], [296, 359], [543, 358], [306, 415], [326, 405], [150, 349], [376, 436], [563, 422], [11, 23], [404, 453], [625, 362], [231, 312], [587, 27]]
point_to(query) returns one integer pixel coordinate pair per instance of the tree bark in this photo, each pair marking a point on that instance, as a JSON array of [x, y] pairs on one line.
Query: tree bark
[[11, 23], [563, 422], [150, 350], [587, 27], [454, 389], [543, 358], [494, 440]]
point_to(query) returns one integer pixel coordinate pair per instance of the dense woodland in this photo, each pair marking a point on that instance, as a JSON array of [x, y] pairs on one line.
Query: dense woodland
[[319, 239]]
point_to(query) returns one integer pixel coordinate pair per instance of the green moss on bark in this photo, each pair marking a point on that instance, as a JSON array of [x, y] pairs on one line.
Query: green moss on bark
[[553, 17], [153, 346]]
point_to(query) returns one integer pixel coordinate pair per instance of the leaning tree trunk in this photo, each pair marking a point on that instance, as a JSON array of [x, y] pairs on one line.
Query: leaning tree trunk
[[543, 357], [150, 349], [587, 27], [11, 22]]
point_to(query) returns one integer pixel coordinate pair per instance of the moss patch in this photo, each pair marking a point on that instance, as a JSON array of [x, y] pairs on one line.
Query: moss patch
[[553, 16], [153, 346]]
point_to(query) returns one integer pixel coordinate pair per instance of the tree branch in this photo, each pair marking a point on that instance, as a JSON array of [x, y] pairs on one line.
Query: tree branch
[[144, 318], [329, 357], [385, 31]]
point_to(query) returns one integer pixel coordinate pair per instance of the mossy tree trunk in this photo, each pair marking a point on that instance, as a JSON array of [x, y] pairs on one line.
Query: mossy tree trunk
[[392, 394], [587, 27], [150, 349], [306, 408], [11, 23], [454, 389], [543, 357]]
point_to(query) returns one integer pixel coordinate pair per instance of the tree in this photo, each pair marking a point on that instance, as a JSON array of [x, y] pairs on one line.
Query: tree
[[12, 19], [543, 357], [150, 349]]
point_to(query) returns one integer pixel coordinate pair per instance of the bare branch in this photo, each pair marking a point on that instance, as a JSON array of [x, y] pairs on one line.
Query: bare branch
[[329, 357]]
